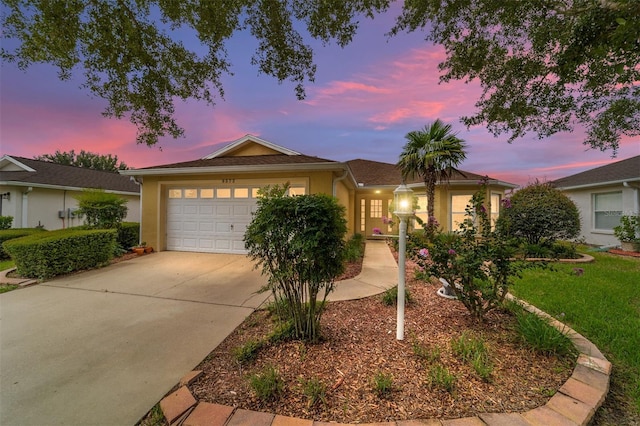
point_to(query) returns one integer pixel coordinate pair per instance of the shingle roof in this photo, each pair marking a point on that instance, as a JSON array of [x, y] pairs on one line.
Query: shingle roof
[[253, 160], [374, 173], [47, 173], [614, 172]]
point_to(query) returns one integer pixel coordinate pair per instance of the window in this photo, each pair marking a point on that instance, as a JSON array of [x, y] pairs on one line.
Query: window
[[241, 193], [223, 193], [458, 205], [206, 193], [422, 211], [376, 208], [297, 190], [607, 210], [190, 193], [495, 208], [389, 215], [363, 214], [175, 193], [254, 192]]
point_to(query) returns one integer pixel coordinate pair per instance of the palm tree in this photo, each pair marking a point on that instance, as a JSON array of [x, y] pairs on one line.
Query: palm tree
[[432, 153]]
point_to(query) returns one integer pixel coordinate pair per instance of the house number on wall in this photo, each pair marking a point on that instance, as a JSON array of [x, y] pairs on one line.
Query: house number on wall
[[228, 180]]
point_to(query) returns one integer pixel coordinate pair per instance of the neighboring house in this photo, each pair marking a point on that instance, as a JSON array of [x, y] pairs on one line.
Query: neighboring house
[[603, 195], [205, 205], [40, 193]]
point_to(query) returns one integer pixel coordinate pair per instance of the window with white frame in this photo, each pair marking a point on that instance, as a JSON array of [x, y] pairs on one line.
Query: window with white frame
[[607, 210], [495, 208], [458, 205], [376, 208]]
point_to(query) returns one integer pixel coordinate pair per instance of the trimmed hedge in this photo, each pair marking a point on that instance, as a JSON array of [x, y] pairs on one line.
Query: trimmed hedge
[[128, 234], [45, 255], [10, 234]]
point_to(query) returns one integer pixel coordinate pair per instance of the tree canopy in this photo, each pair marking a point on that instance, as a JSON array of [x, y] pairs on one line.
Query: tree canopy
[[88, 160], [544, 66]]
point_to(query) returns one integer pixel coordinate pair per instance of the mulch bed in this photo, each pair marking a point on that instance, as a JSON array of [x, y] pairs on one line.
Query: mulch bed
[[360, 342], [624, 253]]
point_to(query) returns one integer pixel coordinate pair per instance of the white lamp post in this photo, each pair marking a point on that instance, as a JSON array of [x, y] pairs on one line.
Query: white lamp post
[[403, 199]]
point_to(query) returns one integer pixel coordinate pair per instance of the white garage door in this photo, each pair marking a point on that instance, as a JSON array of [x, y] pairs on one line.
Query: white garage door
[[209, 219]]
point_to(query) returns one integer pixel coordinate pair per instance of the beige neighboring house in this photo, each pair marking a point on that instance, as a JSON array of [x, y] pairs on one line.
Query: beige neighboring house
[[205, 205], [40, 193], [603, 195]]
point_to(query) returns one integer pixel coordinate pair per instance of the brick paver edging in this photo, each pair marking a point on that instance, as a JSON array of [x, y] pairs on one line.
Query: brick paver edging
[[575, 403]]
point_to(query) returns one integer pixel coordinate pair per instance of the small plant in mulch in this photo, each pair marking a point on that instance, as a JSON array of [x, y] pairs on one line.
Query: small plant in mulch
[[383, 384], [425, 353], [542, 336], [267, 384], [247, 352], [440, 377], [390, 297], [472, 349], [314, 390]]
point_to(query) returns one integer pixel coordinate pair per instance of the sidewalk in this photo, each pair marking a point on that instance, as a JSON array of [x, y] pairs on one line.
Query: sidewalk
[[379, 273]]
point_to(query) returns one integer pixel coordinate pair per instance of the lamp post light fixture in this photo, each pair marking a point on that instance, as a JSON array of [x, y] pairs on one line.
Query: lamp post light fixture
[[403, 200]]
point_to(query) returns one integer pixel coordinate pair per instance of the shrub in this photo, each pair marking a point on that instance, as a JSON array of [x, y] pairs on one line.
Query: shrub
[[628, 230], [539, 213], [10, 234], [5, 222], [299, 243], [102, 210], [479, 263], [128, 234], [268, 384], [354, 248], [44, 255]]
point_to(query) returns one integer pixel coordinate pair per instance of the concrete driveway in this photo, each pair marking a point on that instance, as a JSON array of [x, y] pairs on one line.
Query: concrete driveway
[[102, 347]]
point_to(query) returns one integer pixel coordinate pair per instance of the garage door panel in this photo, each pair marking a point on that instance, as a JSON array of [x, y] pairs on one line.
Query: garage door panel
[[209, 224], [190, 226]]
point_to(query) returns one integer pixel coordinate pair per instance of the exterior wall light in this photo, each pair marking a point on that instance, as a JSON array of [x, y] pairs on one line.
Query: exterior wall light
[[403, 200]]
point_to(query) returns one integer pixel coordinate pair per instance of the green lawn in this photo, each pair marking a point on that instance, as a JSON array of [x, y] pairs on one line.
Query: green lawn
[[6, 264], [602, 303]]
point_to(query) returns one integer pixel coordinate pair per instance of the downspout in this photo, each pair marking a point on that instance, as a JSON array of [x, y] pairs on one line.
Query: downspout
[[25, 208], [336, 180], [139, 182]]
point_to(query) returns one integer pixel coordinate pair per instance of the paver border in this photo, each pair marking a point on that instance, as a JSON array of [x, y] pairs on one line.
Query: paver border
[[575, 403]]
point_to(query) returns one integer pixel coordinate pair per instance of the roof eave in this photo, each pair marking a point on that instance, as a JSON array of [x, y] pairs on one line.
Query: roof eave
[[235, 169], [596, 184], [61, 187]]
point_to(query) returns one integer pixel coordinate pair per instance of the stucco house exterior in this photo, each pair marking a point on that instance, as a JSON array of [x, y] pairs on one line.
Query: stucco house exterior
[[40, 193], [205, 205], [603, 195]]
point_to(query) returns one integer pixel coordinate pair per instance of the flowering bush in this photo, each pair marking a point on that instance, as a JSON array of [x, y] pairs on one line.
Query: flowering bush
[[388, 221], [377, 231], [478, 263]]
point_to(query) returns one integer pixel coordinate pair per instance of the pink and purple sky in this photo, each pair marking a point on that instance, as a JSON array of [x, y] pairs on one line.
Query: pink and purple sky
[[364, 101]]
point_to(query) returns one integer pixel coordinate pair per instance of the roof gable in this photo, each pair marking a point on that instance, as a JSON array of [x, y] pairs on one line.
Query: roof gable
[[250, 145], [620, 171], [10, 164], [28, 172]]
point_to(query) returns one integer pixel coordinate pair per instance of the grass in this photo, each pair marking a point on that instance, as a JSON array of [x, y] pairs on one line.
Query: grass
[[314, 390], [390, 297], [472, 349], [6, 264], [603, 304]]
